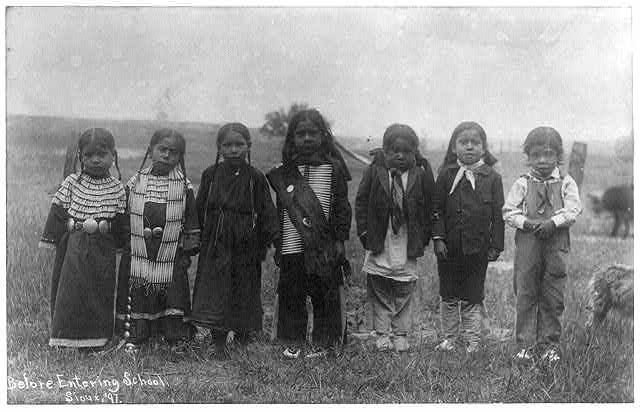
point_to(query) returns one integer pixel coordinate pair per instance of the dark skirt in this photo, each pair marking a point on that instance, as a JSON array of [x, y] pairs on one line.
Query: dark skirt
[[159, 312], [227, 289], [83, 290], [463, 276]]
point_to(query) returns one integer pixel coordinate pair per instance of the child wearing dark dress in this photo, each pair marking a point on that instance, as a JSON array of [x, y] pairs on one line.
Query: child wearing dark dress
[[85, 225], [542, 204], [315, 218], [393, 215], [239, 223], [154, 295], [468, 232]]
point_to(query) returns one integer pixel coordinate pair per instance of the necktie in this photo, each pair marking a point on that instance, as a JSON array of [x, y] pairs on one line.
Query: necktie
[[397, 201], [544, 197]]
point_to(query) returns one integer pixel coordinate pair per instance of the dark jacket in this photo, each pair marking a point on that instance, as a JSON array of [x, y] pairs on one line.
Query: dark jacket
[[249, 221], [470, 221], [373, 207], [337, 225]]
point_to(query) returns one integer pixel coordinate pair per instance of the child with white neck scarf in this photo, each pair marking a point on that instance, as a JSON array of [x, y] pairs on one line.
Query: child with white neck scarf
[[468, 232]]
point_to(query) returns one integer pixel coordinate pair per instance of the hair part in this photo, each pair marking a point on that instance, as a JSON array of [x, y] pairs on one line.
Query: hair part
[[236, 127], [167, 133], [544, 136], [239, 128], [101, 137], [400, 131]]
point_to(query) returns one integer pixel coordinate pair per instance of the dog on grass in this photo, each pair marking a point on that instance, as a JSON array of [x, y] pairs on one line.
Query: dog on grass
[[610, 289], [618, 200]]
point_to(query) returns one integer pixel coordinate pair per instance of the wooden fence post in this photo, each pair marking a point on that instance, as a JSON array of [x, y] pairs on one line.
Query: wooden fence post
[[576, 162]]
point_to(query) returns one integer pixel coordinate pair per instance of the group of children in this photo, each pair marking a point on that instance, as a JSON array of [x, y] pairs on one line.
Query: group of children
[[160, 224]]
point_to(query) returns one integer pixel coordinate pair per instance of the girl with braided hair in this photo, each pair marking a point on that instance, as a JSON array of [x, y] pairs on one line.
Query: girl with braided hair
[[154, 294], [85, 225], [238, 221]]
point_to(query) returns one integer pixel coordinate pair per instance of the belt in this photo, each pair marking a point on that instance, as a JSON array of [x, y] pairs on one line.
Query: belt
[[89, 225], [153, 232]]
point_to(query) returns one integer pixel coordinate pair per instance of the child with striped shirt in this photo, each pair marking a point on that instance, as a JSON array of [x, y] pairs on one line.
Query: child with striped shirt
[[315, 217]]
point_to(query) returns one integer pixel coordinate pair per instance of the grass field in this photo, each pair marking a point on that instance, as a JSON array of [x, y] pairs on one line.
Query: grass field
[[594, 368]]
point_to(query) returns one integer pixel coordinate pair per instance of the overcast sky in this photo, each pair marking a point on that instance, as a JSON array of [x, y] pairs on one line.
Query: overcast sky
[[509, 69]]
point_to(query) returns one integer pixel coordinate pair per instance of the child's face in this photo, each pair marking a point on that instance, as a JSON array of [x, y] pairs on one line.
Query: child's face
[[307, 137], [469, 148], [233, 148], [165, 155], [543, 159], [400, 154], [96, 159]]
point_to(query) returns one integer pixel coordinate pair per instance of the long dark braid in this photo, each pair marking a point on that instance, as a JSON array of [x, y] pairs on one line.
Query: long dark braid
[[184, 172], [144, 160], [79, 156], [115, 155]]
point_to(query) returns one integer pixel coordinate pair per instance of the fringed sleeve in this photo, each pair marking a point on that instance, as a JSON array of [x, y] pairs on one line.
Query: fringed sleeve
[[55, 227], [121, 226], [203, 195], [191, 230], [267, 224]]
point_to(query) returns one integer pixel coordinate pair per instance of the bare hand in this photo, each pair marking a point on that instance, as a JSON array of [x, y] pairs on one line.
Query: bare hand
[[493, 254], [340, 248], [186, 261], [531, 225], [440, 249], [363, 240], [231, 336], [545, 230]]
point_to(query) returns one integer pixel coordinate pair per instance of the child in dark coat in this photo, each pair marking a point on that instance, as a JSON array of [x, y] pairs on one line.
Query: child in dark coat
[[239, 223], [393, 216], [468, 231], [541, 205], [315, 218]]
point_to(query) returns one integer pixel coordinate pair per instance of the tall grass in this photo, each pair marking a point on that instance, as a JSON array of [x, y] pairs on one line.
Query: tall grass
[[595, 367]]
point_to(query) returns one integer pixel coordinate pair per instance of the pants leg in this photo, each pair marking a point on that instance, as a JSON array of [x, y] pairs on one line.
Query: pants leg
[[401, 322], [449, 317], [327, 315], [381, 301], [552, 296], [292, 311], [527, 271], [471, 314]]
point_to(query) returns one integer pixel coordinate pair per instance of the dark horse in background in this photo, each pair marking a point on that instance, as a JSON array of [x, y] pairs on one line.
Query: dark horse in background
[[619, 201]]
